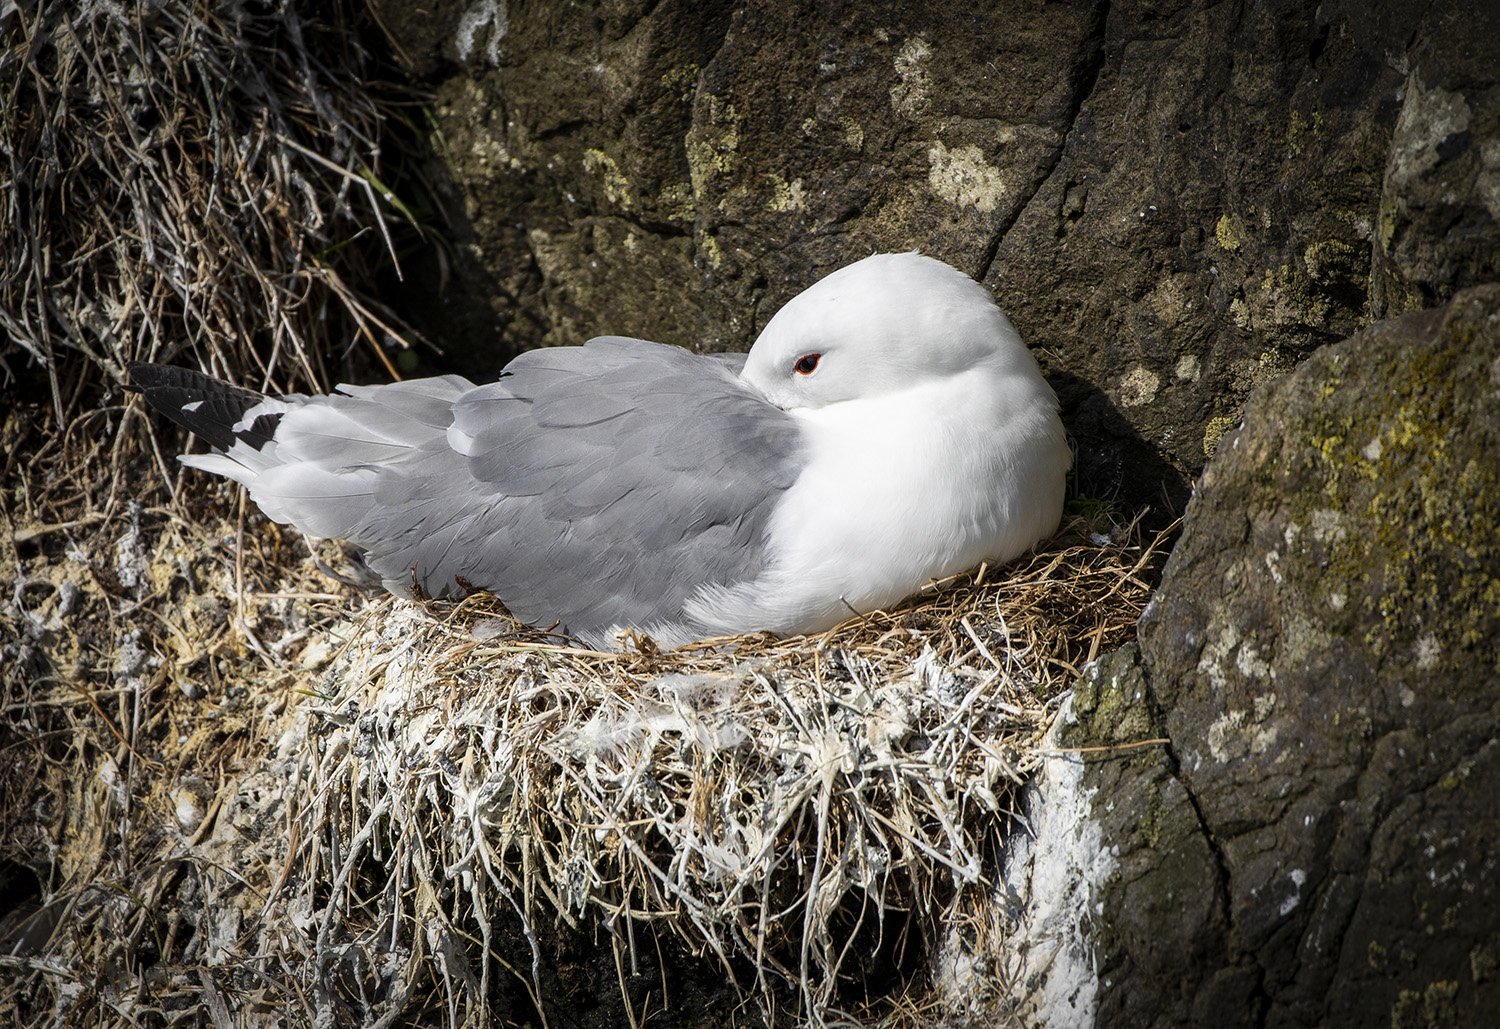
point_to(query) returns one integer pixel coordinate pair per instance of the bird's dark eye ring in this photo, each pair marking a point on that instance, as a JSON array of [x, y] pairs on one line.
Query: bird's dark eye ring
[[806, 364]]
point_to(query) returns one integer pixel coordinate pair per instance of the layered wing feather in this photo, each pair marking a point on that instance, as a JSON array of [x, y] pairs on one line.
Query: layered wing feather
[[593, 487]]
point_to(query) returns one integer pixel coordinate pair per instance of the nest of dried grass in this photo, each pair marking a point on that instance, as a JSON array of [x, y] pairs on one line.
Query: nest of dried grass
[[258, 797]]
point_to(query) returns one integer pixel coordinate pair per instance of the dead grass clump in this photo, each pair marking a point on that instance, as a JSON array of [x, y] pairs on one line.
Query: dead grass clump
[[187, 176], [179, 180]]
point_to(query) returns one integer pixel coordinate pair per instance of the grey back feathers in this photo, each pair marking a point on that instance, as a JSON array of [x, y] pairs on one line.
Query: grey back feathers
[[589, 486]]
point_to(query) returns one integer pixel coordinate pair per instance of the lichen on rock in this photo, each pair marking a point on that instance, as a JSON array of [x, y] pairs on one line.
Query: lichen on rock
[[1321, 657]]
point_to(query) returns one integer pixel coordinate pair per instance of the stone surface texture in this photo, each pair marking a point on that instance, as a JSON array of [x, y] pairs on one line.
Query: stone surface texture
[[1319, 843], [1175, 202]]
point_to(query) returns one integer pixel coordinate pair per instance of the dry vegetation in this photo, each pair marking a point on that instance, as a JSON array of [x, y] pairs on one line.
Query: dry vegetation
[[257, 793], [239, 793], [185, 180]]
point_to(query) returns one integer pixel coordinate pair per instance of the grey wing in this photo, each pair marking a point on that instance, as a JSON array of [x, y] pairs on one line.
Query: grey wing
[[592, 487], [733, 361]]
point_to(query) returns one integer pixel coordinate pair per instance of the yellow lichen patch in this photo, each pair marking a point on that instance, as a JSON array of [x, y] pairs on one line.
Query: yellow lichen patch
[[1299, 128], [713, 143], [1272, 365], [853, 133], [676, 202], [1291, 297], [709, 248], [683, 79], [787, 196], [1225, 233], [616, 187], [1214, 433], [1388, 211]]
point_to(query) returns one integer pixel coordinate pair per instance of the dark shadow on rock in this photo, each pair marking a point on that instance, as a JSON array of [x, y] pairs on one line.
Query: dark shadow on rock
[[1111, 459], [469, 322]]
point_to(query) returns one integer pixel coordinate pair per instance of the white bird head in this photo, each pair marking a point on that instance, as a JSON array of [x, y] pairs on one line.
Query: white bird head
[[878, 326]]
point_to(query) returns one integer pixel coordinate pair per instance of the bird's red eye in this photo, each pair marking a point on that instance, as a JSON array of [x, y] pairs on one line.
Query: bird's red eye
[[806, 364]]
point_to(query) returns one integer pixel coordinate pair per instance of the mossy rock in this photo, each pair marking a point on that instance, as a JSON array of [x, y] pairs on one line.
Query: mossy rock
[[1324, 658]]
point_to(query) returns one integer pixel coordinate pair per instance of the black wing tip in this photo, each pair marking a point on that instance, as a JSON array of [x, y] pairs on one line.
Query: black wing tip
[[149, 375], [141, 375], [207, 407]]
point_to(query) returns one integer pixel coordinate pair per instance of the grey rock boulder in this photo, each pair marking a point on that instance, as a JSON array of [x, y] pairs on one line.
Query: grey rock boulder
[[1319, 841]]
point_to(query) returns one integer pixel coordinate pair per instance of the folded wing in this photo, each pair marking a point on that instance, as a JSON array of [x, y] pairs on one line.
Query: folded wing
[[595, 487]]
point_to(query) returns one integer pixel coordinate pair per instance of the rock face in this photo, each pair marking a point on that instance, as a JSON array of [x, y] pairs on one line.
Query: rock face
[[1174, 202], [1177, 203], [1317, 844]]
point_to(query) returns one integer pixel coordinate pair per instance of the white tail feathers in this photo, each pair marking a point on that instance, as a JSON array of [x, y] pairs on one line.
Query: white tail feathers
[[321, 467]]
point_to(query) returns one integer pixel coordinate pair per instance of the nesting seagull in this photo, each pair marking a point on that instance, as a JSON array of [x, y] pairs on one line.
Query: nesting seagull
[[887, 428]]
